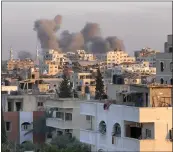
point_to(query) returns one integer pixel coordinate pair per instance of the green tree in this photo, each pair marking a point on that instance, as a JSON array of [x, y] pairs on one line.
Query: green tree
[[65, 88], [99, 85], [3, 131]]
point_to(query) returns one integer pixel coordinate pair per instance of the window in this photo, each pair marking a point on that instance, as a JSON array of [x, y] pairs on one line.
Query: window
[[60, 115], [8, 126], [161, 81], [10, 106], [25, 126], [148, 133], [18, 106], [171, 66], [68, 116], [40, 104], [171, 81], [116, 130], [102, 127], [161, 66], [88, 117]]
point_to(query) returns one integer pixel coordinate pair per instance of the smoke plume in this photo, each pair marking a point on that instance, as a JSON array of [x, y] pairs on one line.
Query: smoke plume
[[46, 30], [89, 38], [24, 54]]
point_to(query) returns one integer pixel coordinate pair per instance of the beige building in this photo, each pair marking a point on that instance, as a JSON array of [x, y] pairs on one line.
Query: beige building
[[130, 124], [115, 57], [64, 116], [81, 79], [19, 64]]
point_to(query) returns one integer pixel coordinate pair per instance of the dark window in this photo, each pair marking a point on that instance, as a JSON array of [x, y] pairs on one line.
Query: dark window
[[161, 81], [88, 117], [170, 50], [10, 106], [60, 115], [18, 106], [148, 133], [8, 126], [161, 66], [40, 104], [171, 81], [33, 76], [25, 126], [68, 116]]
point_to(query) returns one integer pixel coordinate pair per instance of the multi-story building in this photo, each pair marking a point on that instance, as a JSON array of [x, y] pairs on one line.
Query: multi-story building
[[19, 64], [164, 64], [21, 115], [115, 57], [82, 55], [64, 117], [140, 119], [81, 79], [139, 67], [168, 44], [148, 55]]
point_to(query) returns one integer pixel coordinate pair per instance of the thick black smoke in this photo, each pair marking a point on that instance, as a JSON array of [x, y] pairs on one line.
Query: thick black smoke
[[89, 38], [24, 54]]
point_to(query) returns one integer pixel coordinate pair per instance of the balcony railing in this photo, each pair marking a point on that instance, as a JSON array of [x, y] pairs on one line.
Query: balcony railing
[[57, 123]]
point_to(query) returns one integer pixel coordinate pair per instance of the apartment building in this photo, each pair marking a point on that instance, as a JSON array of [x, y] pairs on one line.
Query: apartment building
[[64, 117], [81, 79], [114, 57], [140, 119], [21, 114], [164, 64], [168, 44], [139, 67], [148, 55], [82, 55], [19, 64]]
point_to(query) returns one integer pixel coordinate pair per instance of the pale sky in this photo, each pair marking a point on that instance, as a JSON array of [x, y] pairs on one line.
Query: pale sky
[[138, 24]]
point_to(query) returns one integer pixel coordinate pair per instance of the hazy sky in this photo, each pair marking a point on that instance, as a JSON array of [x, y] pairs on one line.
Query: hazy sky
[[138, 24]]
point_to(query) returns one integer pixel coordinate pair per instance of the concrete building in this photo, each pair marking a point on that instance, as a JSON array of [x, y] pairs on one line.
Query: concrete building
[[112, 58], [130, 124], [81, 79], [21, 112], [164, 64], [64, 117], [147, 55]]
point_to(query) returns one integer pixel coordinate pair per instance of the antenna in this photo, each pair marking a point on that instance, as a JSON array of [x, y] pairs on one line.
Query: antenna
[[11, 53]]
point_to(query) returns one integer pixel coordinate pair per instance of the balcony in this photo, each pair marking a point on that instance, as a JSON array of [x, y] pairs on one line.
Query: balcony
[[61, 124], [88, 136]]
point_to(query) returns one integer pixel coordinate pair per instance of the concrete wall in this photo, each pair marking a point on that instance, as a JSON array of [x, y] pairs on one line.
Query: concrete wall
[[26, 117], [12, 117], [166, 74]]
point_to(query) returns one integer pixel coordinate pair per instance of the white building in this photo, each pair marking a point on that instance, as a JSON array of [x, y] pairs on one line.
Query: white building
[[128, 128]]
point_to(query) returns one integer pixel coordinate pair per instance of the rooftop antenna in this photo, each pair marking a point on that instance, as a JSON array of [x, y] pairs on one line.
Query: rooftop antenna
[[11, 53]]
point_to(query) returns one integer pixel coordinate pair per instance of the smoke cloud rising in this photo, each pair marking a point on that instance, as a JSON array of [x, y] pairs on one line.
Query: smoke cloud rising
[[24, 54], [89, 38]]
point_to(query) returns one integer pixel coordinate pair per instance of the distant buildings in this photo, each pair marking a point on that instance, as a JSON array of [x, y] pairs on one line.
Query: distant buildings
[[148, 55]]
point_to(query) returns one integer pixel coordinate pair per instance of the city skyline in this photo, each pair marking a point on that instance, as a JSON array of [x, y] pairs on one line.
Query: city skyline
[[140, 25]]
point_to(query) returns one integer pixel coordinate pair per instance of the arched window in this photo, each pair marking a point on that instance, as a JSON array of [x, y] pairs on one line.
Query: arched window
[[102, 127], [116, 130], [171, 81], [161, 81], [25, 126], [161, 66]]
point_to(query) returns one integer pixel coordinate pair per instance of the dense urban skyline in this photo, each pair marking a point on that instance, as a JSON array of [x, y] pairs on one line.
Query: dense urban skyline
[[140, 25]]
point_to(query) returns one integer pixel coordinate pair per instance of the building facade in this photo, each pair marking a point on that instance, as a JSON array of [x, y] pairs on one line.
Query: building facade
[[121, 126]]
